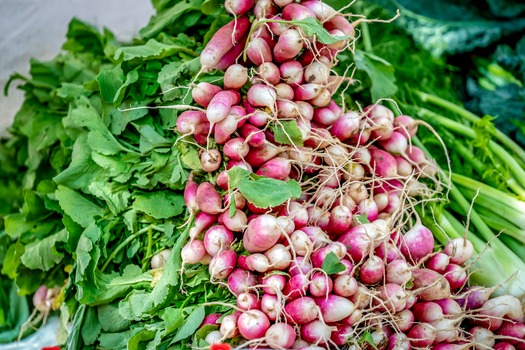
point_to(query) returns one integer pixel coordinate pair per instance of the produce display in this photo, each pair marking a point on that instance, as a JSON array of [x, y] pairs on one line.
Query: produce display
[[233, 185]]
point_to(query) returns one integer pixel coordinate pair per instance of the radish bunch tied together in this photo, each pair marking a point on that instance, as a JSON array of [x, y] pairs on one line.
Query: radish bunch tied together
[[336, 265]]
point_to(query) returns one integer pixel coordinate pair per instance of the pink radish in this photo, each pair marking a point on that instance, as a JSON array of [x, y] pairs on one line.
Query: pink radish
[[193, 252], [383, 163], [276, 168], [270, 306], [235, 223], [222, 41], [217, 238], [322, 99], [357, 244], [430, 285], [273, 284], [222, 264], [290, 43], [416, 155], [460, 250], [248, 301], [316, 332], [321, 10], [340, 220], [388, 252], [260, 95], [221, 104], [235, 77], [240, 280], [203, 93], [208, 199], [300, 266], [280, 336], [238, 7], [262, 234], [257, 262], [232, 56], [341, 23], [421, 335], [342, 335], [279, 257], [334, 308], [190, 194], [404, 168], [398, 341], [345, 285], [320, 284], [483, 338], [228, 327], [301, 310], [191, 122], [474, 297], [372, 270], [236, 148], [346, 126], [225, 128], [449, 306], [398, 271], [239, 163], [269, 73], [264, 8], [214, 337], [253, 324], [417, 243], [211, 160], [257, 156], [395, 144], [253, 135], [406, 125], [316, 72], [284, 91], [211, 319], [393, 296], [455, 275], [258, 51], [307, 91], [202, 221], [296, 287], [512, 329], [292, 72], [427, 311], [404, 320], [296, 12], [438, 262]]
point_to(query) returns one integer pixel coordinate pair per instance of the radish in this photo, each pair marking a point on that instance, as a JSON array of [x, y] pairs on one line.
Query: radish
[[393, 297], [247, 301], [269, 73], [284, 91], [280, 336], [257, 156], [279, 257], [301, 310], [260, 95], [44, 298], [273, 284], [211, 319], [257, 262], [321, 10], [253, 324], [482, 338], [238, 7], [235, 223], [214, 337], [264, 8], [383, 163], [340, 220], [502, 306], [276, 168], [398, 341], [417, 243], [354, 318], [240, 281], [192, 122], [296, 12], [474, 297], [222, 264], [291, 72], [512, 329], [406, 125], [235, 77], [258, 51], [345, 285], [202, 93], [300, 265], [228, 327], [450, 307], [396, 144], [398, 271], [208, 199], [342, 335], [455, 275], [211, 160], [253, 135], [222, 41], [192, 252], [404, 168], [217, 238], [438, 262], [427, 312], [504, 346], [404, 320], [372, 270], [316, 332], [261, 234], [341, 23], [388, 252], [316, 72], [421, 335], [334, 308], [320, 284], [296, 286], [460, 250], [357, 244], [430, 285], [232, 56], [290, 43], [202, 221], [221, 104], [270, 306]]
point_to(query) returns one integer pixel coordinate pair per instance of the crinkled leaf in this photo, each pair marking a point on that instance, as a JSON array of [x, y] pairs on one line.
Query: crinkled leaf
[[149, 51], [79, 208], [110, 320], [381, 74], [110, 81], [287, 132], [173, 319], [115, 195], [167, 17], [262, 191], [332, 264], [42, 254], [160, 205]]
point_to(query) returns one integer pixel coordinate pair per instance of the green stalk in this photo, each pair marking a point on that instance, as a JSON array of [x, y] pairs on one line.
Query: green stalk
[[517, 247], [500, 136], [499, 224], [466, 131], [123, 244], [367, 42]]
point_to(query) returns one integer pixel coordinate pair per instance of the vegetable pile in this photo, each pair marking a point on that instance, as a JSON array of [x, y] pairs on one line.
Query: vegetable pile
[[274, 216]]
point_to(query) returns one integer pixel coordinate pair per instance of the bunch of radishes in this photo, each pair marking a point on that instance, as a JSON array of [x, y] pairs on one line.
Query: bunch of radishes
[[334, 267]]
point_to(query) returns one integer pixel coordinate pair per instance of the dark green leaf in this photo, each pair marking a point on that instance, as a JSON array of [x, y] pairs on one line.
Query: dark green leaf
[[260, 191], [81, 210], [168, 17], [332, 264], [110, 81], [149, 51], [312, 27], [190, 325], [42, 254], [381, 74], [110, 319]]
